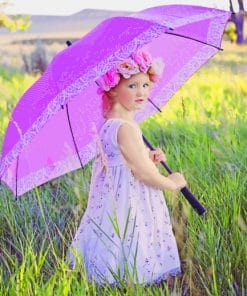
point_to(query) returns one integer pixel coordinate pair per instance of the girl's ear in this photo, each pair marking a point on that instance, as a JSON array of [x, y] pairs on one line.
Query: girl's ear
[[112, 93]]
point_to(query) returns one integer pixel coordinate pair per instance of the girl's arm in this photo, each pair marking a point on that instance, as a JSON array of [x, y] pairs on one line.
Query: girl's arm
[[135, 153]]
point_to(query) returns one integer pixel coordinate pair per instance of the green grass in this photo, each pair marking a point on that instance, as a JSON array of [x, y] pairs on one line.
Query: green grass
[[203, 130]]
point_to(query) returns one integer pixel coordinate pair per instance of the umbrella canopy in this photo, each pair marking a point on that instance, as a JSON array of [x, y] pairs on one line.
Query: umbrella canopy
[[41, 144]]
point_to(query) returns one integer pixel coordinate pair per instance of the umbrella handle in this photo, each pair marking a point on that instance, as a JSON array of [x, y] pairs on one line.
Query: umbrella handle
[[185, 190]]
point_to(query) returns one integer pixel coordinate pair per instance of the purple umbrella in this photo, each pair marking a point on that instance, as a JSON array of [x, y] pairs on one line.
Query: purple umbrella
[[52, 128]]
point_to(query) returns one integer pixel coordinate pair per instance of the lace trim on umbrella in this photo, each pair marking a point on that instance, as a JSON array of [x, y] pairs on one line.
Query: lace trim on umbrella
[[216, 28], [48, 173], [174, 22]]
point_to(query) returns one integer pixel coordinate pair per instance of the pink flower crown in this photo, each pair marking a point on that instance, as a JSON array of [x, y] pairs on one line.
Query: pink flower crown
[[140, 61]]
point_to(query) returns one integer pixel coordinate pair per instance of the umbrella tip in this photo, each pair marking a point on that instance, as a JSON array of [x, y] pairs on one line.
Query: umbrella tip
[[68, 42]]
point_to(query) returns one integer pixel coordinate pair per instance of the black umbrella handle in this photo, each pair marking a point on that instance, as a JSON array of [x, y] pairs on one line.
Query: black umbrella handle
[[185, 190]]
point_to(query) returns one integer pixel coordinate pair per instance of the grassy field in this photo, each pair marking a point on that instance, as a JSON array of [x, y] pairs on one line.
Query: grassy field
[[203, 130]]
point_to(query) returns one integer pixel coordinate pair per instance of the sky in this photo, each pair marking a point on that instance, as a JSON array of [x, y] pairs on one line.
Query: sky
[[66, 7]]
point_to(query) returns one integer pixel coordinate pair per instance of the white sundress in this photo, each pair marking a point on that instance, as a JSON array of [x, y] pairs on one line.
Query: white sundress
[[126, 222]]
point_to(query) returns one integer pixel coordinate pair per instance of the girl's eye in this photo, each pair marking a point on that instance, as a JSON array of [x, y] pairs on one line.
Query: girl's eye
[[133, 85]]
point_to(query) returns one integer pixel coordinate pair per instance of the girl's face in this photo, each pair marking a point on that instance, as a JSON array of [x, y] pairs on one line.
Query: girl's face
[[132, 93]]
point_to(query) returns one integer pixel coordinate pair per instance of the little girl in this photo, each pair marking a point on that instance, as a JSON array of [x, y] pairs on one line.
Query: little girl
[[125, 232]]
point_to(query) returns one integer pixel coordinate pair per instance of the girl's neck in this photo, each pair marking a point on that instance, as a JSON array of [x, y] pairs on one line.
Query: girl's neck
[[128, 117]]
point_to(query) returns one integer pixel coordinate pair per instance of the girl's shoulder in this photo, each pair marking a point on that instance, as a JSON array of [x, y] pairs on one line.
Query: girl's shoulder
[[119, 121], [110, 127]]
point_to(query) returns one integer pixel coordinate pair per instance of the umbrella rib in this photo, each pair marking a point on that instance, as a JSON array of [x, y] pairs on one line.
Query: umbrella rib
[[76, 148], [154, 105], [194, 39], [69, 43]]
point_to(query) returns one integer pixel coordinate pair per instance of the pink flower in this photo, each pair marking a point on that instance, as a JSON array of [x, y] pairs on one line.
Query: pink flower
[[140, 61], [158, 66], [128, 68], [156, 69], [143, 59], [111, 78], [108, 80], [102, 85]]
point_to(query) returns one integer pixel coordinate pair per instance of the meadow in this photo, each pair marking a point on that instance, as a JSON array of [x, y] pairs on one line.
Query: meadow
[[203, 131]]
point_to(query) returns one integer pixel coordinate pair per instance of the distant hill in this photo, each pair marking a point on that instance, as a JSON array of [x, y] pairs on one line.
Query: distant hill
[[52, 32], [56, 25]]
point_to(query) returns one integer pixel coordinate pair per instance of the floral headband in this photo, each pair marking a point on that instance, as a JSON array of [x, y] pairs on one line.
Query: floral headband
[[140, 61]]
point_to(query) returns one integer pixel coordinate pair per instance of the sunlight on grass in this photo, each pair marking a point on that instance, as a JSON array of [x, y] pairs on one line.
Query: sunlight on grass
[[203, 130]]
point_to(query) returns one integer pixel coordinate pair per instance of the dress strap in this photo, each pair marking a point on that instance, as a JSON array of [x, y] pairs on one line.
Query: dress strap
[[124, 120]]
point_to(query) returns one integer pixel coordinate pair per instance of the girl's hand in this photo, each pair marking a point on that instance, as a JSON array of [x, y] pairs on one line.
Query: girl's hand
[[157, 155], [178, 179]]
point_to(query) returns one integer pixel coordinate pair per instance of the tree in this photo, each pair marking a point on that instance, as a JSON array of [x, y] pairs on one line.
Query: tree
[[15, 22], [238, 19]]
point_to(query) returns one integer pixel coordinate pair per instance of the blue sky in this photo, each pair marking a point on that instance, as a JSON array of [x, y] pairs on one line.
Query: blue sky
[[65, 7]]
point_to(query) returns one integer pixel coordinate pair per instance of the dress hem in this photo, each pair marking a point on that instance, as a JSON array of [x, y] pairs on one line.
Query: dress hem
[[164, 276]]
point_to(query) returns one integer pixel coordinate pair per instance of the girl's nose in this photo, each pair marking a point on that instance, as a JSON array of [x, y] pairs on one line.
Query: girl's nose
[[140, 91]]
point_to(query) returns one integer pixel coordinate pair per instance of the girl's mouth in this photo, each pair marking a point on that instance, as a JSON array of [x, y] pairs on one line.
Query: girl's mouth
[[140, 101]]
